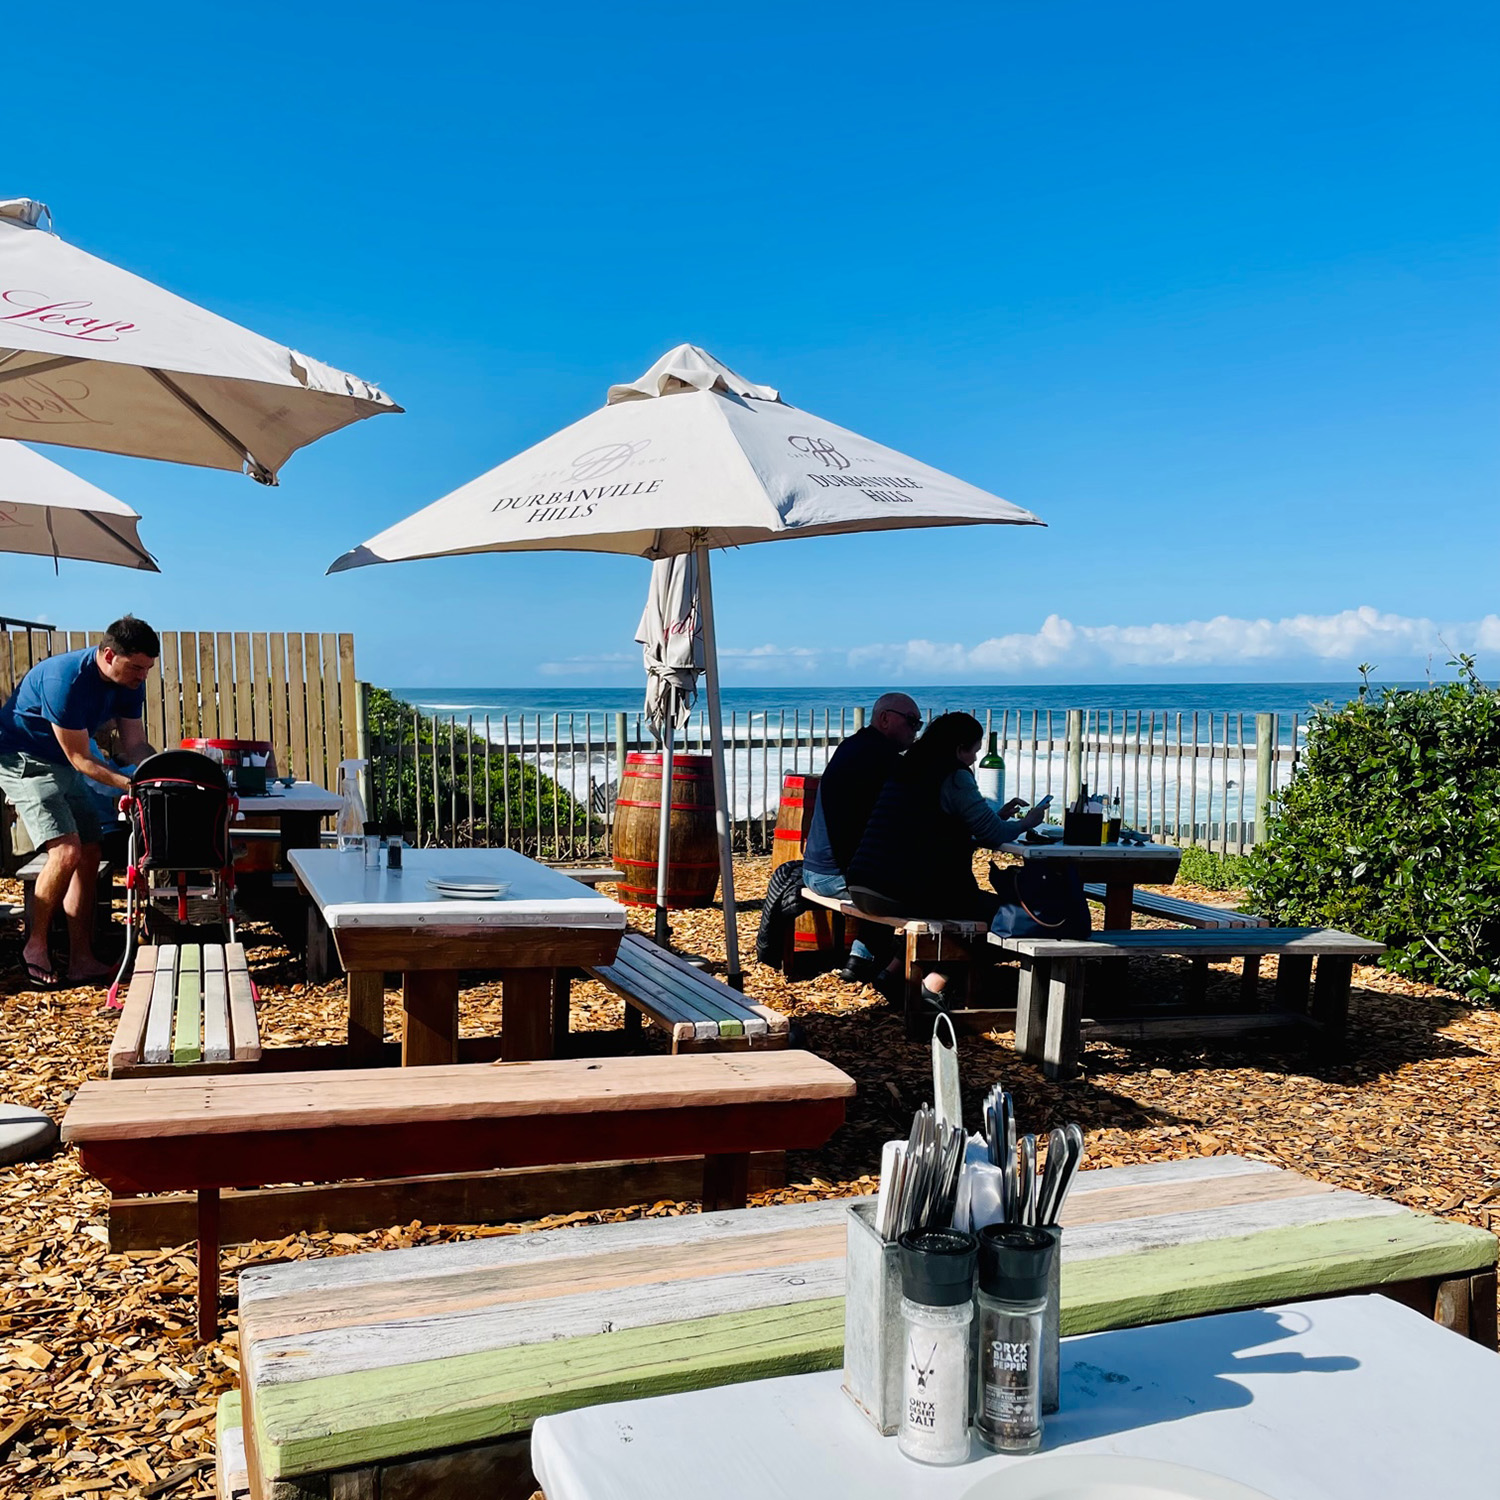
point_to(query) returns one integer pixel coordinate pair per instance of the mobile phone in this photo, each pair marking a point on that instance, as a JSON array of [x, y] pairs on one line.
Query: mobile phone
[[1044, 804]]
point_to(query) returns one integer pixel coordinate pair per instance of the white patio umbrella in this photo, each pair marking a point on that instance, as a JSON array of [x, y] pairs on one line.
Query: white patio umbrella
[[48, 512], [94, 357], [689, 457], [671, 638]]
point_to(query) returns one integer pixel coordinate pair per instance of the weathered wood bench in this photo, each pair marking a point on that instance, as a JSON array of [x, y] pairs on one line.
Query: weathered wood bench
[[590, 875], [201, 1134], [103, 902], [1050, 1028], [1179, 909], [421, 1371], [701, 1013], [928, 942], [188, 1008]]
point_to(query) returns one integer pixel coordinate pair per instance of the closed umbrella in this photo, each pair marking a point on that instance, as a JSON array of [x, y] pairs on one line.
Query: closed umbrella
[[689, 457], [48, 512], [94, 357], [671, 638]]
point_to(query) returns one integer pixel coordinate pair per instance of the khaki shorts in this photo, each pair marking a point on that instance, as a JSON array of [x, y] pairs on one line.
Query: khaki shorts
[[51, 800]]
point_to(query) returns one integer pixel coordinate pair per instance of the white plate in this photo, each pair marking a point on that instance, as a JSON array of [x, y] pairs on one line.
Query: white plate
[[1104, 1476], [470, 890]]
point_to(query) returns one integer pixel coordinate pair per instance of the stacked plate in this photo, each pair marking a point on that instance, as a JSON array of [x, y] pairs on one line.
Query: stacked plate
[[469, 890]]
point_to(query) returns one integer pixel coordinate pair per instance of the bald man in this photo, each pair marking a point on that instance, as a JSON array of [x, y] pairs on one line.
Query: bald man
[[847, 793]]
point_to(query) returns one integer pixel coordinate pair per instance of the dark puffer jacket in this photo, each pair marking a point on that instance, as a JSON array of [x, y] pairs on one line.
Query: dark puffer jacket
[[914, 854]]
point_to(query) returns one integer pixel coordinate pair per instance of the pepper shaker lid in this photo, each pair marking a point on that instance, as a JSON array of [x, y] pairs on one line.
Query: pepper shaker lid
[[937, 1266], [1015, 1261]]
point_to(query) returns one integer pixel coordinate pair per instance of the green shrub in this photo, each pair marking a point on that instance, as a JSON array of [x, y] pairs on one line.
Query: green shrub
[[534, 798], [1215, 872], [1391, 829]]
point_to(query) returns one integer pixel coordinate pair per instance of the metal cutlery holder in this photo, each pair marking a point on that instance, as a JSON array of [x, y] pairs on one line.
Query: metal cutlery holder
[[1052, 1326], [874, 1343]]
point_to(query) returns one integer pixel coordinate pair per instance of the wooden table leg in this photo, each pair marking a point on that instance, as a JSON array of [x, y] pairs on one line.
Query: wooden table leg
[[726, 1181], [366, 1014], [1330, 1000], [429, 1017], [208, 1265], [525, 1014], [562, 1011], [1031, 1007], [1064, 1040], [1118, 895]]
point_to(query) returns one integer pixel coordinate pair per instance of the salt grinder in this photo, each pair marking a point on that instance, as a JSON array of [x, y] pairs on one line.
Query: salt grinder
[[937, 1307]]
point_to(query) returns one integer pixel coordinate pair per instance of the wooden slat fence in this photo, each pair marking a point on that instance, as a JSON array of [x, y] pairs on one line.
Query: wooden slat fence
[[295, 689]]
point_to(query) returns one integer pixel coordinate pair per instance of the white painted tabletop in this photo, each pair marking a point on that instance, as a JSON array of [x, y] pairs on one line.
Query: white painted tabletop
[[348, 895], [1085, 853], [1354, 1398], [300, 797]]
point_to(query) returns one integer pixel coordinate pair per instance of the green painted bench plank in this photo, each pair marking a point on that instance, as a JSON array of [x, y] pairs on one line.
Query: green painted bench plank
[[440, 1403], [1276, 1265], [186, 1047]]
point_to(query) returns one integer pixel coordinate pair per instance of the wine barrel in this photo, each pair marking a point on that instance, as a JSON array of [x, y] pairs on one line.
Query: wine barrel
[[814, 929], [692, 837]]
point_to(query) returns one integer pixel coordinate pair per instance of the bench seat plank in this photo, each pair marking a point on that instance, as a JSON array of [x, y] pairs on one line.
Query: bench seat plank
[[383, 1357], [774, 1020], [216, 1030], [1194, 942], [185, 1029], [1179, 909], [158, 1048], [243, 1026], [130, 1035], [696, 994]]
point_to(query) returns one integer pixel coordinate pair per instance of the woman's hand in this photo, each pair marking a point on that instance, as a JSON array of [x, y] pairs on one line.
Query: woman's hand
[[1033, 818], [1012, 807]]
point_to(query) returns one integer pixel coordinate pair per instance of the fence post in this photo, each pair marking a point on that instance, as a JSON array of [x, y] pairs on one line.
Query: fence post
[[620, 737], [362, 745], [1073, 747], [1266, 740], [859, 718]]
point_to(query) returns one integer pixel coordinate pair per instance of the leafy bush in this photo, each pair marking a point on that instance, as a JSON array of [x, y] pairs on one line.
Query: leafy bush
[[1214, 872], [1391, 829], [398, 787]]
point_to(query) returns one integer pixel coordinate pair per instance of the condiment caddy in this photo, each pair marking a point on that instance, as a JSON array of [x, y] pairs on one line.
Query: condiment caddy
[[954, 1277]]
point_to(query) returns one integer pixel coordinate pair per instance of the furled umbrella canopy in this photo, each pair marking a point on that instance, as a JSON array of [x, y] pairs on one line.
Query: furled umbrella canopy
[[47, 511], [671, 639], [92, 356]]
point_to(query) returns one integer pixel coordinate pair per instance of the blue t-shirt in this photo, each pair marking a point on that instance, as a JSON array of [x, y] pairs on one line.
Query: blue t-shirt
[[69, 691]]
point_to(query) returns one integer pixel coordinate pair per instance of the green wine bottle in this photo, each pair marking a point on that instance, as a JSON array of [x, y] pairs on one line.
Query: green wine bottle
[[990, 774]]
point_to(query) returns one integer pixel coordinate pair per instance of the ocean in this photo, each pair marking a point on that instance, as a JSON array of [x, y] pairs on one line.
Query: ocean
[[1132, 735]]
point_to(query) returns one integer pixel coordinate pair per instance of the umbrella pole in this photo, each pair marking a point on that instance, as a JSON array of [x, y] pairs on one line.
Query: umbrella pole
[[735, 976], [664, 826]]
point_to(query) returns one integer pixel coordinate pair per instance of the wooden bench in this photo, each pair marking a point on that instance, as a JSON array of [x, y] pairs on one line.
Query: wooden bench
[[421, 1371], [104, 896], [1178, 909], [701, 1013], [926, 943], [189, 1008], [1050, 1027], [204, 1133], [589, 875]]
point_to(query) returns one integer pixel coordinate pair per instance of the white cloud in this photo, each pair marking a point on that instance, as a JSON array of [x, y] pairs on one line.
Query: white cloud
[[1345, 638]]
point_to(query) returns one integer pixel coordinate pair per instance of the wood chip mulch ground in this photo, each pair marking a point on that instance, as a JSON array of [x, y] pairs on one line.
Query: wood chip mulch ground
[[103, 1390]]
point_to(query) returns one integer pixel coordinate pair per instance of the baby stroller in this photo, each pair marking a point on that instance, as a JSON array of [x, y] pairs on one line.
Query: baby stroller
[[179, 808]]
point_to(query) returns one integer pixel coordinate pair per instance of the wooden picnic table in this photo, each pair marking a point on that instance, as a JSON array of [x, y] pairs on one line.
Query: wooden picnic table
[[1353, 1398], [296, 811], [1120, 866], [392, 920], [427, 1367]]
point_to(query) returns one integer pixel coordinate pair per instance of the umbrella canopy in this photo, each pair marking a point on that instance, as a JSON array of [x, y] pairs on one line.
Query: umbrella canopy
[[671, 638], [719, 463], [689, 457], [94, 357], [48, 512]]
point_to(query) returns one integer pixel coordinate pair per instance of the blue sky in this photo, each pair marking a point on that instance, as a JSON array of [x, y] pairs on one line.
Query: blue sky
[[1213, 291]]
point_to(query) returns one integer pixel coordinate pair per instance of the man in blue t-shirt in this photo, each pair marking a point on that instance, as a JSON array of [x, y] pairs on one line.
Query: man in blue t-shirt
[[46, 763]]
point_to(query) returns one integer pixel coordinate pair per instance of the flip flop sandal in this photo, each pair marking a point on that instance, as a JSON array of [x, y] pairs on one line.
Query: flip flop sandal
[[40, 976]]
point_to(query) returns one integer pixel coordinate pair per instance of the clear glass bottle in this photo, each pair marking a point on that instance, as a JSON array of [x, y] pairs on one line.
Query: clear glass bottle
[[372, 846], [351, 819], [990, 774], [937, 1308], [1014, 1263]]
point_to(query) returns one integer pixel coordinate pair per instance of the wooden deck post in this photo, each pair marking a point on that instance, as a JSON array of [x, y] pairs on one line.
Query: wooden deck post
[[208, 1265]]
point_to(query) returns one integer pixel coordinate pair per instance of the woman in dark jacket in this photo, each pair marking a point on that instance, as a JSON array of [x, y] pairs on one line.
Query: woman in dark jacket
[[916, 858]]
